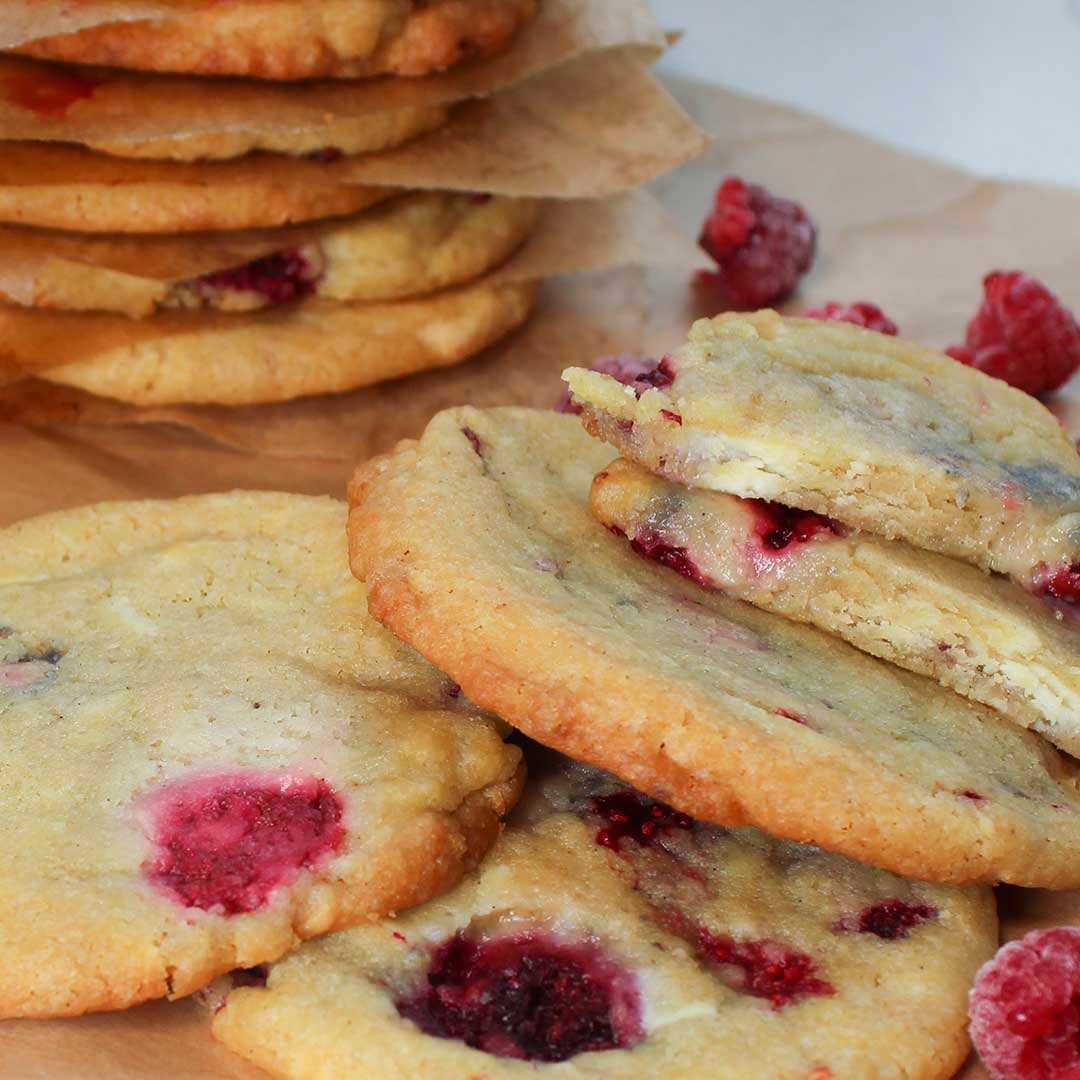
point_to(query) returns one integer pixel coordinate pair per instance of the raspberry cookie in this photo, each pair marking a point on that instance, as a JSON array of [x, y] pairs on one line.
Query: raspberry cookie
[[408, 246], [283, 39], [978, 635], [627, 940], [67, 187], [728, 713], [211, 752], [881, 434], [311, 347]]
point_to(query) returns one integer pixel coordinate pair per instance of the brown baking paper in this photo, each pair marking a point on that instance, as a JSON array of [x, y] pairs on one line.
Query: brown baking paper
[[132, 107], [592, 127], [909, 234]]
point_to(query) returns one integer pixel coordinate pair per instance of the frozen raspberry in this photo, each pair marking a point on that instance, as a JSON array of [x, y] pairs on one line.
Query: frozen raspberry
[[887, 919], [530, 997], [278, 277], [764, 969], [632, 816], [627, 369], [863, 314], [224, 843], [1025, 1008], [762, 244], [1022, 333]]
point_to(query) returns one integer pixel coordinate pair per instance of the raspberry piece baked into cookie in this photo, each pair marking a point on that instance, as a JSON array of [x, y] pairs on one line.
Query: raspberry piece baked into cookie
[[407, 246], [479, 550], [211, 752], [655, 947], [286, 39], [977, 634], [877, 432]]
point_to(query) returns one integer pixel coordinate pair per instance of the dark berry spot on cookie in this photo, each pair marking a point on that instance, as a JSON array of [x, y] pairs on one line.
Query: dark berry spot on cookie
[[225, 843], [278, 277], [650, 544], [1025, 1007], [326, 155], [632, 816], [792, 716], [974, 796], [658, 377], [887, 919], [779, 527], [48, 91], [674, 417], [530, 996], [451, 691], [763, 969], [474, 439], [400, 937], [253, 976]]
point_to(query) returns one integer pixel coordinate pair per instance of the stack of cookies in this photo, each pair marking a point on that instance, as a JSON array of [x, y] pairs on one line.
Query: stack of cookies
[[128, 263], [745, 847]]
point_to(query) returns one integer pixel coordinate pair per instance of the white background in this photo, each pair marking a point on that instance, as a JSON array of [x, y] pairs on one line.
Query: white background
[[992, 85]]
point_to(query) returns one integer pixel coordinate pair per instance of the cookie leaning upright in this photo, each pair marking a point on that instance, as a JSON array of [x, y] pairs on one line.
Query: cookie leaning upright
[[877, 432], [211, 752], [479, 550], [625, 940]]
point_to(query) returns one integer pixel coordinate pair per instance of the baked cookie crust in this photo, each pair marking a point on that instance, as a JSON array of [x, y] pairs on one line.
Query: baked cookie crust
[[728, 713]]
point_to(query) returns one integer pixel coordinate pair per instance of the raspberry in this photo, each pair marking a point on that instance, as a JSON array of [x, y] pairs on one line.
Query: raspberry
[[631, 816], [278, 277], [779, 526], [762, 244], [863, 314], [887, 919], [224, 843], [650, 544], [1025, 1008], [529, 997], [1022, 333], [1062, 583]]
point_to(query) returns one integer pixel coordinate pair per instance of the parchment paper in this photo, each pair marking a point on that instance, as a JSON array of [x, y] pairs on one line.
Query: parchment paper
[[132, 106], [591, 127], [909, 234]]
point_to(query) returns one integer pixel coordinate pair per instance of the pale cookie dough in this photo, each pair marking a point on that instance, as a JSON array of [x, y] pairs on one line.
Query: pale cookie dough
[[311, 347], [284, 39], [877, 432], [57, 186], [657, 947], [409, 246], [977, 634], [479, 550], [211, 752]]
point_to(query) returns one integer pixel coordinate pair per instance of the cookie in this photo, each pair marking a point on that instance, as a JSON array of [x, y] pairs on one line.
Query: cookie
[[625, 939], [283, 39], [409, 246], [479, 550], [977, 634], [311, 347], [212, 752], [67, 187], [877, 432]]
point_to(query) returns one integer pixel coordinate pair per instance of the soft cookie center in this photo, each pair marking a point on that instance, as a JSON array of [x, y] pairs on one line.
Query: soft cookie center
[[225, 843], [530, 996]]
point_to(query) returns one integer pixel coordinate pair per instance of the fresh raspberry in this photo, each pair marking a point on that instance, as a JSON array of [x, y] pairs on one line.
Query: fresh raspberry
[[1025, 1008], [1022, 333], [762, 244], [863, 314], [530, 997]]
